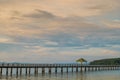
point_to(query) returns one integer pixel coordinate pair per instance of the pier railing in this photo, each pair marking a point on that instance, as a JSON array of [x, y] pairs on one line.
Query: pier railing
[[3, 65]]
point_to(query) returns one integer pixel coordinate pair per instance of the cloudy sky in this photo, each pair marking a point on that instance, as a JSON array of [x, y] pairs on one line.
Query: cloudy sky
[[51, 31]]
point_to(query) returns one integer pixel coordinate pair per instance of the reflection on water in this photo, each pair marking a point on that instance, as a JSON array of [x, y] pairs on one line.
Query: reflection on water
[[100, 75]]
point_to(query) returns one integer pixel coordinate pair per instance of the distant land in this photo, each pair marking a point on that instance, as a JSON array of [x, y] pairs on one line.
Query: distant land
[[110, 61]]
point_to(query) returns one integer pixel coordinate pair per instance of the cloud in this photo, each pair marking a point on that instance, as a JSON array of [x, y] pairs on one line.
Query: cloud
[[40, 14], [49, 30], [6, 39], [113, 24], [64, 8], [56, 55], [2, 40], [64, 28], [51, 43]]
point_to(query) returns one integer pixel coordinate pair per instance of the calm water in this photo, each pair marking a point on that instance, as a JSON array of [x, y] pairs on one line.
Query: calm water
[[93, 75]]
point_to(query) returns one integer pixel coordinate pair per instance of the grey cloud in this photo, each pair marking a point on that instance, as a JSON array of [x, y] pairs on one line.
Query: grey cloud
[[16, 15], [40, 14], [66, 40], [2, 2], [15, 18], [67, 32], [97, 7], [15, 12]]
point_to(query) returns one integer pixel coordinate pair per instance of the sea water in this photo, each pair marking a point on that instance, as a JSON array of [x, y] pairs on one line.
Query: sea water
[[89, 75]]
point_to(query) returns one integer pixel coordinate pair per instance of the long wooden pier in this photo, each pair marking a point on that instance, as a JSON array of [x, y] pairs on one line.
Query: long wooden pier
[[52, 68]]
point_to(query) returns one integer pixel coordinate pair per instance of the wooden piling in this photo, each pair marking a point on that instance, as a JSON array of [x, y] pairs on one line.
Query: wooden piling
[[11, 72], [95, 68], [16, 72], [6, 71], [61, 69], [92, 68], [43, 70], [20, 71], [88, 68], [35, 71], [81, 69], [76, 69], [55, 69], [85, 69], [67, 69], [49, 70], [1, 71], [29, 71], [98, 68], [26, 72], [72, 69]]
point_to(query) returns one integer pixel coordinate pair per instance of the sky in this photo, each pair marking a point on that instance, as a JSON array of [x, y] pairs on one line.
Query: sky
[[59, 31]]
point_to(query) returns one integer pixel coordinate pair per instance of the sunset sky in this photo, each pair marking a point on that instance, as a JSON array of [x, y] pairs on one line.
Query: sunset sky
[[54, 31]]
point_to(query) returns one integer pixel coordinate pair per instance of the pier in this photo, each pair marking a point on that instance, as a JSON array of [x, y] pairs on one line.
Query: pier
[[51, 68]]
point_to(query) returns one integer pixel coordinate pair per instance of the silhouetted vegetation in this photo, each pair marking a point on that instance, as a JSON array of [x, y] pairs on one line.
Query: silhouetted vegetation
[[112, 61]]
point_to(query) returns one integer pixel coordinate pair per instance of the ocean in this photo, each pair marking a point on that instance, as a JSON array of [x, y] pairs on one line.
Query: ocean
[[89, 75]]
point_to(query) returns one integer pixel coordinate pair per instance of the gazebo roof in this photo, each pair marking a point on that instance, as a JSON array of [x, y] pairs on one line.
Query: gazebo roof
[[81, 60]]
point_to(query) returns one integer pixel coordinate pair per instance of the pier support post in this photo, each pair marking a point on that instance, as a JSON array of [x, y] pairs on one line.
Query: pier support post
[[81, 69], [6, 71], [55, 69], [1, 71], [111, 68], [20, 71], [72, 69], [92, 68], [35, 70], [43, 70], [26, 72], [11, 71], [61, 69], [98, 68], [117, 68], [49, 70], [85, 69], [107, 68], [95, 68], [104, 68], [114, 67], [29, 71], [88, 68], [67, 69], [76, 69], [16, 72]]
